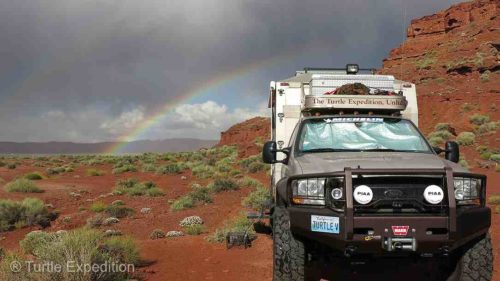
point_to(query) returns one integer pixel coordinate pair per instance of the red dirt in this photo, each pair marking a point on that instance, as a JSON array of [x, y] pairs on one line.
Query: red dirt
[[443, 86]]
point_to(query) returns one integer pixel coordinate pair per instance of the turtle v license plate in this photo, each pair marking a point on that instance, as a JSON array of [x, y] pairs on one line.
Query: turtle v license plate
[[325, 224]]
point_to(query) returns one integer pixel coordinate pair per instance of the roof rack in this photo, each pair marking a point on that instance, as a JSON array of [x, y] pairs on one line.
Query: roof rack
[[319, 69]]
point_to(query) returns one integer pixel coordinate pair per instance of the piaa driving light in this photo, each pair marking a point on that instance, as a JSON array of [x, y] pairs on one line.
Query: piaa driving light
[[309, 191], [363, 194], [433, 194], [467, 190]]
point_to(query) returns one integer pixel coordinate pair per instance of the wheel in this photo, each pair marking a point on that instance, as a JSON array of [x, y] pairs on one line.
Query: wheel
[[476, 264], [289, 253]]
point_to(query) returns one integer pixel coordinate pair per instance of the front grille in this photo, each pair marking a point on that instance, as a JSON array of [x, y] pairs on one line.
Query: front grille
[[400, 195]]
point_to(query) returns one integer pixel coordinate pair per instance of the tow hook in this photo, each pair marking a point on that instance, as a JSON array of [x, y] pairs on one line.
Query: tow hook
[[349, 251], [445, 251]]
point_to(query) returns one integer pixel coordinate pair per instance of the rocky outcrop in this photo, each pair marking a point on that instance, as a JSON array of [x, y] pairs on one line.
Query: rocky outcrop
[[453, 57], [248, 135], [459, 40]]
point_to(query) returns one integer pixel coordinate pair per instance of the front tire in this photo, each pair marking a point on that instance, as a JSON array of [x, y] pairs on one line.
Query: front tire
[[289, 253], [476, 264]]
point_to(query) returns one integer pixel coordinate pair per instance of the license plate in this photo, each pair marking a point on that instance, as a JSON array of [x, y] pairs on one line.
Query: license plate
[[325, 224]]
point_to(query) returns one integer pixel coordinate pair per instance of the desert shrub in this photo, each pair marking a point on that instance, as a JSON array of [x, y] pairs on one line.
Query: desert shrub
[[485, 76], [22, 185], [466, 138], [203, 171], [482, 148], [132, 187], [118, 203], [427, 61], [96, 221], [497, 168], [494, 200], [58, 170], [33, 176], [201, 194], [238, 224], [257, 198], [147, 167], [445, 135], [478, 119], [222, 167], [157, 234], [220, 185], [119, 211], [463, 162], [195, 229], [442, 127], [485, 155], [495, 157], [95, 172], [466, 107], [169, 169], [11, 166], [123, 249], [184, 202], [35, 240], [249, 182], [487, 127], [2, 164], [98, 207], [436, 141], [124, 168], [6, 272], [86, 246], [30, 211], [252, 164]]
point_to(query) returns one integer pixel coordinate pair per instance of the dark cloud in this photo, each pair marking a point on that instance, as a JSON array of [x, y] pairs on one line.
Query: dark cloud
[[112, 57]]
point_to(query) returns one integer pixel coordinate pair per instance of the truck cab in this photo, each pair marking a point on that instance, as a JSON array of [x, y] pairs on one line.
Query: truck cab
[[352, 176]]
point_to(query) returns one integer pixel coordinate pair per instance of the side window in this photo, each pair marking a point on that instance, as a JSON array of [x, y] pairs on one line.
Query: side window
[[294, 132]]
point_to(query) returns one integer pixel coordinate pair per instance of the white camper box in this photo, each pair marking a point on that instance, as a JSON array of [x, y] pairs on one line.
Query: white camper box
[[293, 98]]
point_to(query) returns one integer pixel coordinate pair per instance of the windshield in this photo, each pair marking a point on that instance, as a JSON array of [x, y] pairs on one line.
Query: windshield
[[360, 134]]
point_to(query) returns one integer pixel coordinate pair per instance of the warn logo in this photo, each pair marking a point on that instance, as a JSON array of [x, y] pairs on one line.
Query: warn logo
[[400, 230]]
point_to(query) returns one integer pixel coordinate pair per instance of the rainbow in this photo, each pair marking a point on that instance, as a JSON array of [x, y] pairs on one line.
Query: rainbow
[[203, 89]]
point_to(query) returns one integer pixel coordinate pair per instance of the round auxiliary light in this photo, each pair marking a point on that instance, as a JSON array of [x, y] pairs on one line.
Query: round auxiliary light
[[363, 194], [433, 194], [336, 193]]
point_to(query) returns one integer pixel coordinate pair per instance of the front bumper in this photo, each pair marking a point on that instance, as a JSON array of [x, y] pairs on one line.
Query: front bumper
[[431, 234], [370, 234]]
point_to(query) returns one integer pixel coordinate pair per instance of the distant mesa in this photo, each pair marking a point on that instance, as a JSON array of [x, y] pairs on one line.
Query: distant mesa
[[140, 146]]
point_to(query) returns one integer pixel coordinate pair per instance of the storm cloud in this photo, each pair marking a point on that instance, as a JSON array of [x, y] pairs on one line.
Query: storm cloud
[[84, 70]]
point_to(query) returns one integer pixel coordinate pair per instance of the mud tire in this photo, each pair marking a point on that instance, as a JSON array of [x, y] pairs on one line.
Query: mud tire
[[288, 253], [476, 264]]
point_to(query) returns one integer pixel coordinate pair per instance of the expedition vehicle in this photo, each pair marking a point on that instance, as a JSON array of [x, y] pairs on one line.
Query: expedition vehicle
[[353, 177]]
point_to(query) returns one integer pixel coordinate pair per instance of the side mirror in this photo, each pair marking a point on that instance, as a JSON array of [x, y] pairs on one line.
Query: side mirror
[[438, 150], [452, 151], [269, 153]]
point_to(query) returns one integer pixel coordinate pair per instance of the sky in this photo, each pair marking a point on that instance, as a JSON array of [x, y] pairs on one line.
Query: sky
[[90, 71]]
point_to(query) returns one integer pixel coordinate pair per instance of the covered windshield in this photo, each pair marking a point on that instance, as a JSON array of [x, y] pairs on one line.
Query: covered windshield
[[360, 134]]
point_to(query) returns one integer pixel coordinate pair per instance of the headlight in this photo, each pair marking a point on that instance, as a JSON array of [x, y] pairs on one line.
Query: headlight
[[309, 191], [363, 194], [467, 190]]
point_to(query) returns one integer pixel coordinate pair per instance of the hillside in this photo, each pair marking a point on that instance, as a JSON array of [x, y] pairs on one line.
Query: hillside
[[248, 135], [453, 57]]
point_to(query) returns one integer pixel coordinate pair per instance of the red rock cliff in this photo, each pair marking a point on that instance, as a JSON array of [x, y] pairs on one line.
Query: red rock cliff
[[248, 135]]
